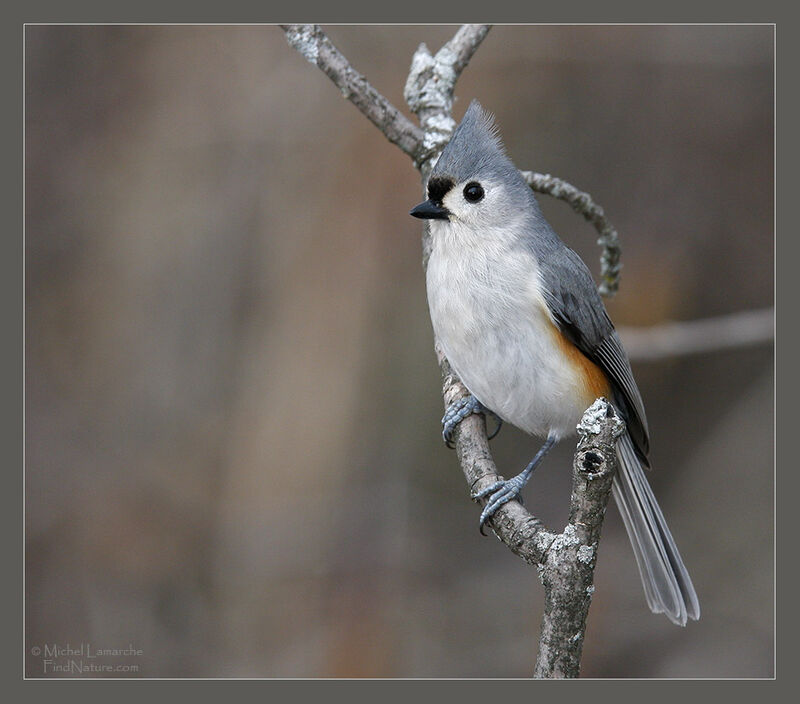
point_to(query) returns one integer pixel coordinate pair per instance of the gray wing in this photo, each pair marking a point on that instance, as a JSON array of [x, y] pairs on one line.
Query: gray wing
[[577, 308]]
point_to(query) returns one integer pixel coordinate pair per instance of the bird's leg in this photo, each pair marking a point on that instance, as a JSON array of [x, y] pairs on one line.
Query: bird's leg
[[507, 489], [458, 410]]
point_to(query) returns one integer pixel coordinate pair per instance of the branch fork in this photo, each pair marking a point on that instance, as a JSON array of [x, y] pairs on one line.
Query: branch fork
[[430, 86]]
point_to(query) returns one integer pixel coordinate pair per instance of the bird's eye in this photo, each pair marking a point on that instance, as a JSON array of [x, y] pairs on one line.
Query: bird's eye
[[473, 192]]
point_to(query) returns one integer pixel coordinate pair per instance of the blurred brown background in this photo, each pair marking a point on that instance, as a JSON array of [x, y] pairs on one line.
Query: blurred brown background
[[233, 446]]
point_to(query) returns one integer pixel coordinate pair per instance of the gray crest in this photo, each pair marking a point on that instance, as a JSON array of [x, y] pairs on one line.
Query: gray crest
[[475, 152]]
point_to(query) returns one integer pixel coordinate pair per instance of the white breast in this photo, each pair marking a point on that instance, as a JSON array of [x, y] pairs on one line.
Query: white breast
[[492, 322]]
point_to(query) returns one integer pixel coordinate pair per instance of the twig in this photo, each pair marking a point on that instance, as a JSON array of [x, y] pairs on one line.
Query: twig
[[462, 46], [313, 43], [568, 570], [583, 204], [696, 336], [429, 89]]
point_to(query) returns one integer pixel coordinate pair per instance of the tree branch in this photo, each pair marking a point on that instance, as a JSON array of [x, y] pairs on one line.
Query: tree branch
[[314, 44], [462, 46], [735, 330], [429, 89], [567, 571]]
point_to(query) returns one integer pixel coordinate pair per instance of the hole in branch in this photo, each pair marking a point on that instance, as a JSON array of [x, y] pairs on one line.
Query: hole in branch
[[592, 462]]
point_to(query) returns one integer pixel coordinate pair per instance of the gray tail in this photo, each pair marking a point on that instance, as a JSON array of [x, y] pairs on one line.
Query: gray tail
[[667, 584]]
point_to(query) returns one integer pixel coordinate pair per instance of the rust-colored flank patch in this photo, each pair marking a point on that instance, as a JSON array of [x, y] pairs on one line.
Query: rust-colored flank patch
[[595, 382]]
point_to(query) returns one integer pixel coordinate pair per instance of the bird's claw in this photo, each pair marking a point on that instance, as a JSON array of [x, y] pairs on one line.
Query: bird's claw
[[499, 493], [457, 411]]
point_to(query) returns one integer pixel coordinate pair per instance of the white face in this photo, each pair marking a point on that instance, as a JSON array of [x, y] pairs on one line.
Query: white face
[[477, 203]]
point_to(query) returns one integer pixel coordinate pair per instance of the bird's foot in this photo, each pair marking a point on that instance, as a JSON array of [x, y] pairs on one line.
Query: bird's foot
[[505, 490], [500, 493], [458, 410]]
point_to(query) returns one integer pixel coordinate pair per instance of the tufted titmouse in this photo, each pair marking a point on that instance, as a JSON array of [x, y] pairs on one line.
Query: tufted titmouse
[[519, 318]]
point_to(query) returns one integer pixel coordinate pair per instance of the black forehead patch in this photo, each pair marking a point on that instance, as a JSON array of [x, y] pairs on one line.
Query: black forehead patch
[[438, 187]]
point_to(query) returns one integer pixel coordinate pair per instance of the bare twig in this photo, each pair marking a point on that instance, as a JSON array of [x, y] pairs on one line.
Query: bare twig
[[314, 44], [462, 46], [696, 336], [567, 571], [429, 89], [582, 203]]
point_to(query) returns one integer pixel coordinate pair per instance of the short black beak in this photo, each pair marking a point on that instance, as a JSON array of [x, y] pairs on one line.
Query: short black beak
[[430, 210]]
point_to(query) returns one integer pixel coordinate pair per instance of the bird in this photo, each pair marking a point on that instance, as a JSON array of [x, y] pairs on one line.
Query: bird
[[518, 316]]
